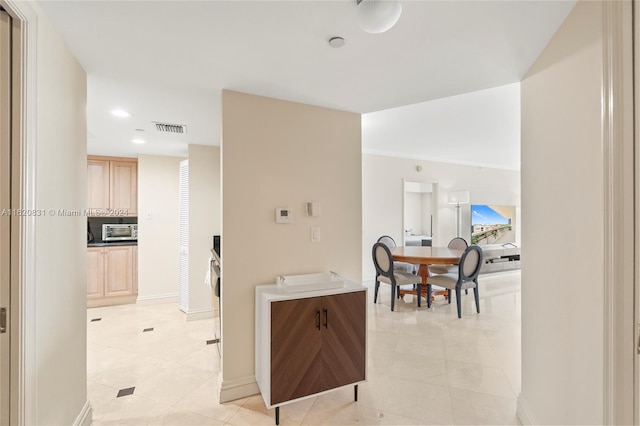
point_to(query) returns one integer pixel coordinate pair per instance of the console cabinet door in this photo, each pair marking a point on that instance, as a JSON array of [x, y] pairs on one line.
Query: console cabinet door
[[344, 339], [118, 277], [296, 340], [95, 272], [124, 186]]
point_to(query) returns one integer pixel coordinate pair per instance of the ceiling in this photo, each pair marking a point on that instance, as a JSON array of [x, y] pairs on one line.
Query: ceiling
[[168, 61]]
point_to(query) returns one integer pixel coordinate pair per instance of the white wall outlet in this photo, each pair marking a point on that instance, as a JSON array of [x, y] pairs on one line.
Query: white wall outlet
[[148, 216], [315, 234]]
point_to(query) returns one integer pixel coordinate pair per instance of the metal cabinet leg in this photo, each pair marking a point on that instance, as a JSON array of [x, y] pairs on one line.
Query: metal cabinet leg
[[277, 415]]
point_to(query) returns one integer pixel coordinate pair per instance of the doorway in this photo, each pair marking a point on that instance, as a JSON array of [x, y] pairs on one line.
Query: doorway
[[419, 212]]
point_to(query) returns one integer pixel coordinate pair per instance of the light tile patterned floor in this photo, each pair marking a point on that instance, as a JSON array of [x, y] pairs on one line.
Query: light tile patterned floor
[[425, 367]]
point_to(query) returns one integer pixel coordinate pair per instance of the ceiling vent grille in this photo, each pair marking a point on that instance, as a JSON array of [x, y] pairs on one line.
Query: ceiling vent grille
[[179, 129]]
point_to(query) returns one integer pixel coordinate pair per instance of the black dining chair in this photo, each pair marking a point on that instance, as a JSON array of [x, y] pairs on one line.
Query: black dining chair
[[383, 262], [465, 278], [457, 243], [398, 266]]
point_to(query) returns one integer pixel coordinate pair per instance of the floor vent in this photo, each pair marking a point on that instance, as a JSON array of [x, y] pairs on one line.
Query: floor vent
[[180, 129]]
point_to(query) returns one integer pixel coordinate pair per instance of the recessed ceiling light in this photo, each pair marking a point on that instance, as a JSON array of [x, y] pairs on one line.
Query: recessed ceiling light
[[121, 113], [336, 42], [138, 136]]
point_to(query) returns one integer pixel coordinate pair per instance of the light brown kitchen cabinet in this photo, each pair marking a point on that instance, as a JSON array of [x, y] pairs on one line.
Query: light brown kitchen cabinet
[[95, 272], [98, 184], [111, 275], [134, 250], [112, 186]]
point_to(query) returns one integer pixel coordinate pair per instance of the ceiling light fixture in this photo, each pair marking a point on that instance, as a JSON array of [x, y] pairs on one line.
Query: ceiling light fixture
[[138, 136], [121, 113], [378, 16], [336, 42]]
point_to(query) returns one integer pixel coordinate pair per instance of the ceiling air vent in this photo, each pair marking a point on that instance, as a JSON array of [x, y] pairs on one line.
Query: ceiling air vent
[[179, 129]]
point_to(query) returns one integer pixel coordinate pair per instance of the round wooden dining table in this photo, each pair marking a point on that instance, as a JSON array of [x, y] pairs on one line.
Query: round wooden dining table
[[425, 256]]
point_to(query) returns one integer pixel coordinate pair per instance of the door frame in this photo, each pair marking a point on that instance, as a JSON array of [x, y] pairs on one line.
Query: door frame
[[620, 201], [23, 265], [636, 298], [5, 219]]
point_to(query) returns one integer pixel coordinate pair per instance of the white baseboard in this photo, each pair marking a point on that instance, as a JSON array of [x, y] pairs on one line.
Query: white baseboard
[[231, 390], [199, 314], [158, 299], [86, 415], [524, 415]]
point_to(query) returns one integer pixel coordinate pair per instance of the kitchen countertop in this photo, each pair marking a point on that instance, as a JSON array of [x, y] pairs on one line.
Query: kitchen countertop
[[112, 243]]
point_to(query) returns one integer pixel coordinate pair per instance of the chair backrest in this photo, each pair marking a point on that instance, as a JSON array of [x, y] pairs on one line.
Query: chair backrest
[[387, 241], [382, 259], [470, 264], [458, 244]]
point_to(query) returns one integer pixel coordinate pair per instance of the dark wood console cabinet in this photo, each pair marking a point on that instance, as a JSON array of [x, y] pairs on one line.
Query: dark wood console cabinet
[[310, 342]]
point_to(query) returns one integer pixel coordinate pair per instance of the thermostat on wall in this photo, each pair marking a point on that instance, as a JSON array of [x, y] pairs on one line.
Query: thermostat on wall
[[283, 215]]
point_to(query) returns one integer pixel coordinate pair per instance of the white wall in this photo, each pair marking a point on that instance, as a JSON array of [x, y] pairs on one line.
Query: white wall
[[282, 154], [447, 129], [562, 206], [61, 261], [382, 193], [158, 207], [204, 223]]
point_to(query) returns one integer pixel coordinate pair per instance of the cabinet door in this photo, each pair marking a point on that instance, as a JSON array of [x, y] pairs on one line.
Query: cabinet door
[[98, 184], [134, 257], [124, 184], [344, 339], [118, 276], [95, 272], [296, 363]]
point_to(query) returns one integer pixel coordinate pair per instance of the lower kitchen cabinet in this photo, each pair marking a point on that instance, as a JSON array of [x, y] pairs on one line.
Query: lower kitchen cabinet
[[111, 275], [309, 343]]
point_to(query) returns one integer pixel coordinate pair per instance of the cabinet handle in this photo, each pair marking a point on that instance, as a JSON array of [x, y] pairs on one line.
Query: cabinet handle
[[326, 318], [318, 319]]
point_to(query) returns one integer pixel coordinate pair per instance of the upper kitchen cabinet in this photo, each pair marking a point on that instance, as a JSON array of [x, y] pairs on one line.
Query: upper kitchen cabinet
[[98, 185], [112, 186]]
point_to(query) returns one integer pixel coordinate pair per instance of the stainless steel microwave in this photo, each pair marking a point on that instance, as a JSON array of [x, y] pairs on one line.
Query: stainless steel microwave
[[119, 232]]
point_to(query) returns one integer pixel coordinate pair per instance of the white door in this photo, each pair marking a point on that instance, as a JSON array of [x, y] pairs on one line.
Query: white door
[[5, 174], [183, 255]]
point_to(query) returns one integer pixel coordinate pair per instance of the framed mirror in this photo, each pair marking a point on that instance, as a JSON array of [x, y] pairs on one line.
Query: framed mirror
[[420, 212]]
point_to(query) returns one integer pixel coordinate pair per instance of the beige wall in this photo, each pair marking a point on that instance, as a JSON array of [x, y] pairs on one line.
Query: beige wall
[[562, 207], [204, 223], [158, 199], [61, 274], [382, 195], [282, 154]]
